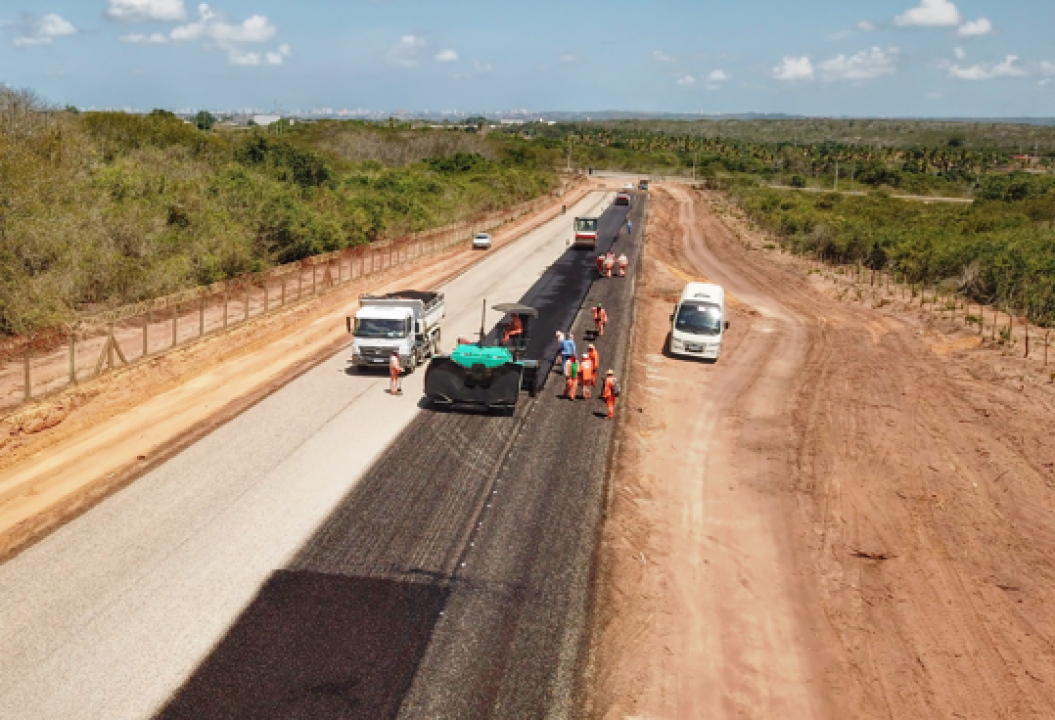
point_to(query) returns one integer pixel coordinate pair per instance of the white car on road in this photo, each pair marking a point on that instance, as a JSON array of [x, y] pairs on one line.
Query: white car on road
[[482, 241], [629, 186]]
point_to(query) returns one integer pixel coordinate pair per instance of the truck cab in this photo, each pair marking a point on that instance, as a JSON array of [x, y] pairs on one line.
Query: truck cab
[[698, 322], [407, 322]]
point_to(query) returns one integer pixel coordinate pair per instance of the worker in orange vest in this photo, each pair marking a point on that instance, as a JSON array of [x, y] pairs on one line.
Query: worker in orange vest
[[600, 266], [587, 374], [609, 263], [611, 392], [571, 377], [394, 371], [514, 327], [595, 358], [600, 317], [623, 262]]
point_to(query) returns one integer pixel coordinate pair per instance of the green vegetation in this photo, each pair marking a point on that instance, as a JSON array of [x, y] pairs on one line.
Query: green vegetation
[[999, 249], [100, 209], [951, 168]]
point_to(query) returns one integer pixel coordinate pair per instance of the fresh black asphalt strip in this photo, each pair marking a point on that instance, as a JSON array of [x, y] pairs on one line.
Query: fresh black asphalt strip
[[453, 581]]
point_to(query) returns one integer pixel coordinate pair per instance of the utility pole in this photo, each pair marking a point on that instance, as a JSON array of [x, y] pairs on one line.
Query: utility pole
[[837, 175]]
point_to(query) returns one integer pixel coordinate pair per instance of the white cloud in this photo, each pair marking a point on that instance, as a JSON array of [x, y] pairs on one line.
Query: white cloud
[[930, 13], [794, 69], [867, 26], [407, 52], [686, 80], [279, 57], [446, 56], [30, 41], [660, 56], [216, 28], [1045, 68], [43, 31], [865, 65], [54, 26], [141, 39], [147, 10], [715, 78], [959, 52], [238, 56], [217, 31], [569, 58], [988, 71], [975, 28], [484, 67]]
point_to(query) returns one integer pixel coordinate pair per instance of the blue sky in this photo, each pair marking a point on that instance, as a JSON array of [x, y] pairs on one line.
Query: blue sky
[[821, 57]]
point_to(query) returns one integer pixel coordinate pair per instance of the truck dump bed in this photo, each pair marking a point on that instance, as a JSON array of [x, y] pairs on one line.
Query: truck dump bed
[[426, 305]]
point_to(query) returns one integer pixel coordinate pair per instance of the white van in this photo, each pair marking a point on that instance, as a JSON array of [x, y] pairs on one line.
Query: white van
[[698, 322]]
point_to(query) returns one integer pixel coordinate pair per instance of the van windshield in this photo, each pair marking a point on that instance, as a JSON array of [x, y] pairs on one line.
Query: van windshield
[[699, 319], [379, 328], [586, 224]]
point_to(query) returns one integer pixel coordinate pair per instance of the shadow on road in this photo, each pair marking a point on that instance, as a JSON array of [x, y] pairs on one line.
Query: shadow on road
[[315, 645]]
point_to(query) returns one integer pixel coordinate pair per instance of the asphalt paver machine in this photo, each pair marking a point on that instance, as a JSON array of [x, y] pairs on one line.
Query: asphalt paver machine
[[487, 376]]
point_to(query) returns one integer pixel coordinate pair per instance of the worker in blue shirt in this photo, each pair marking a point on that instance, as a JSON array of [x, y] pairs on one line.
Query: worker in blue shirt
[[567, 349]]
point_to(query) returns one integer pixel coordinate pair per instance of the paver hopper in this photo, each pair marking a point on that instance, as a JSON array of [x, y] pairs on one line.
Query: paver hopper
[[479, 376]]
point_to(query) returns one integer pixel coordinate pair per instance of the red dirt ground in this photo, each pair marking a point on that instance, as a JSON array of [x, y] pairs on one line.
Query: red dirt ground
[[848, 516]]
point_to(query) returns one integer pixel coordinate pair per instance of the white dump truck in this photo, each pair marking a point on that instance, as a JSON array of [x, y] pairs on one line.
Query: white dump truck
[[407, 321]]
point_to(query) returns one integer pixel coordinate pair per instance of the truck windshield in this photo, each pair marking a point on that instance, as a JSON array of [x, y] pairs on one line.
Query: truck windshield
[[699, 319], [586, 224], [379, 328]]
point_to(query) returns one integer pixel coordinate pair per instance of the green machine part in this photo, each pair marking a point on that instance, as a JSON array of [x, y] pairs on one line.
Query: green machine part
[[474, 376], [490, 357]]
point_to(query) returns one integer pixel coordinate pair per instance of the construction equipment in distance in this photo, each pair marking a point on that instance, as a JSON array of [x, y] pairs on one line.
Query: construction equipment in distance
[[585, 233], [482, 377]]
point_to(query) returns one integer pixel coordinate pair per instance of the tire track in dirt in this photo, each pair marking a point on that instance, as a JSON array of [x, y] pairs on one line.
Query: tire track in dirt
[[909, 501]]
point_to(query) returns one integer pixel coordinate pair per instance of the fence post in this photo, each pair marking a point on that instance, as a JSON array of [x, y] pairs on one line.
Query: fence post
[[282, 301], [226, 296], [265, 296], [247, 288], [300, 280], [175, 326], [110, 345], [1027, 333], [201, 316], [146, 333], [73, 357], [314, 279], [28, 391]]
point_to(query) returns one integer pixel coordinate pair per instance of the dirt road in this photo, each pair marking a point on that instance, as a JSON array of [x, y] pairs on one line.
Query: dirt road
[[833, 521]]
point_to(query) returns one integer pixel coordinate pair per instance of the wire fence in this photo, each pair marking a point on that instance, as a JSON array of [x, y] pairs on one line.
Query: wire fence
[[1012, 329], [35, 366]]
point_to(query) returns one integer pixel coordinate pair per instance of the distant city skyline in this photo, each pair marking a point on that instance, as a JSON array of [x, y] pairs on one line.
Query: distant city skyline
[[856, 58]]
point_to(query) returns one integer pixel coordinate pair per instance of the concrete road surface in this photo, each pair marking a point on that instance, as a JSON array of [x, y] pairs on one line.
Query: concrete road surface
[[109, 616]]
